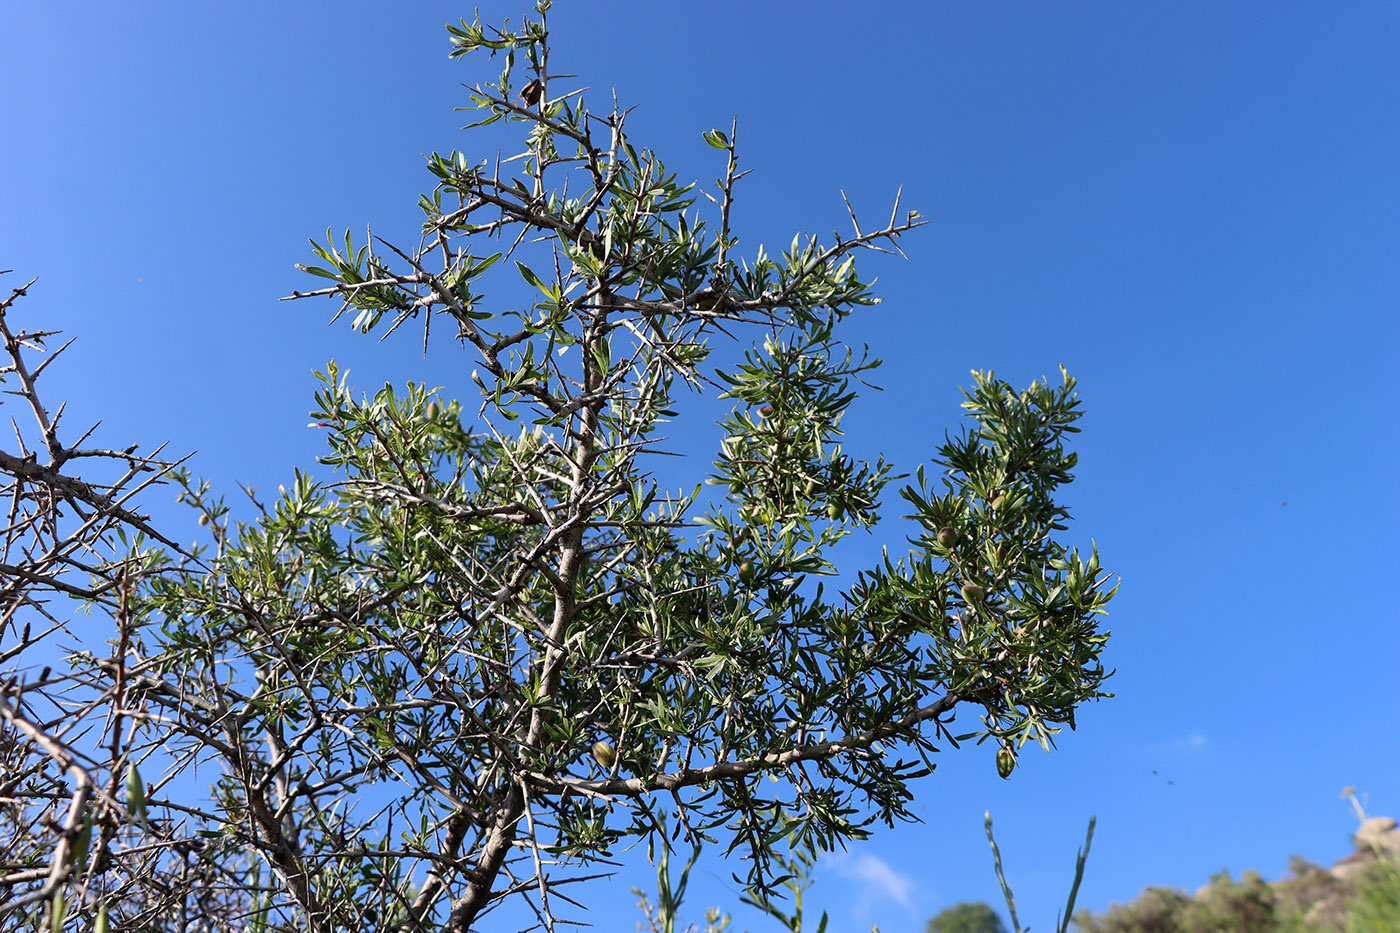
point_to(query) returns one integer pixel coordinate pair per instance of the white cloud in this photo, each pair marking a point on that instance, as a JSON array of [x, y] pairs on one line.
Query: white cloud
[[1193, 743], [878, 880]]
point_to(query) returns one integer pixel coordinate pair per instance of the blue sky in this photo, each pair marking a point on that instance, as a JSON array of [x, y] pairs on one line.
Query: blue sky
[[1193, 206]]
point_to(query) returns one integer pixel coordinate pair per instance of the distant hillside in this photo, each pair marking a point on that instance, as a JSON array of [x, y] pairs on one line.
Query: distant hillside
[[1358, 894]]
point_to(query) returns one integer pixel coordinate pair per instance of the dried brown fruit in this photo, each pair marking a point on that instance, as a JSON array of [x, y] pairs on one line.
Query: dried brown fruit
[[531, 92]]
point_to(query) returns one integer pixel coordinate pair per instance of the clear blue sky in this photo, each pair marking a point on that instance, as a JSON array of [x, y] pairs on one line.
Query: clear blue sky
[[1195, 206]]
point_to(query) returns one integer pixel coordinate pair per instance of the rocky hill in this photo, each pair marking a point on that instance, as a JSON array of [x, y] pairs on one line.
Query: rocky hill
[[1358, 894]]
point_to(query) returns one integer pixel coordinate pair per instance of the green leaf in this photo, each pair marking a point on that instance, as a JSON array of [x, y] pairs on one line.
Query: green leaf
[[79, 852], [58, 911], [317, 270], [135, 794], [717, 139], [529, 276]]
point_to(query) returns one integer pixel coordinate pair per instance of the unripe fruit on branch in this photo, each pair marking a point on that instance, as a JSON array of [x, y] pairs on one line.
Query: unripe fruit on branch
[[833, 511], [604, 754], [746, 571], [766, 410], [947, 537], [999, 501], [973, 593], [1006, 762], [432, 411]]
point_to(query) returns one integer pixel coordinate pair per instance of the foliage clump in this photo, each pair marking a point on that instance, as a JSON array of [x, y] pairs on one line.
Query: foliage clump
[[967, 917]]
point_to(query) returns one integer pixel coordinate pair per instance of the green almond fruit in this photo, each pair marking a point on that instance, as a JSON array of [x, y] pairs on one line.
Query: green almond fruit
[[973, 593], [1006, 762], [604, 754], [947, 537]]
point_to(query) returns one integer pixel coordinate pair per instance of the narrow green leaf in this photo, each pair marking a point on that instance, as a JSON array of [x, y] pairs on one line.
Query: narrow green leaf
[[528, 275], [58, 911], [135, 794]]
